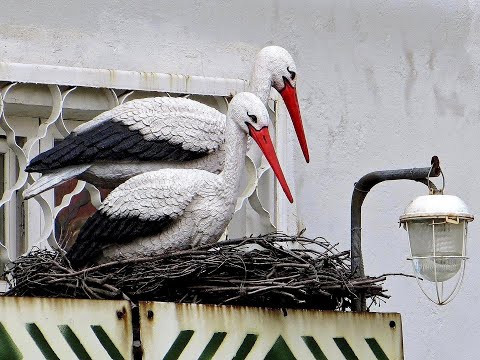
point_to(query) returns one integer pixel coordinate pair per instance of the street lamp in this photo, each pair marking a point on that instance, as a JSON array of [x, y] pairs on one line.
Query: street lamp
[[436, 224], [437, 228]]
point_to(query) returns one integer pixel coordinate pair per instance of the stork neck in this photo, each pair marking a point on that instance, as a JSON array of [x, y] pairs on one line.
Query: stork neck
[[235, 149], [261, 82]]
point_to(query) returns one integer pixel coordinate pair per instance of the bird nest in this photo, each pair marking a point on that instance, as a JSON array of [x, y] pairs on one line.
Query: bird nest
[[273, 270]]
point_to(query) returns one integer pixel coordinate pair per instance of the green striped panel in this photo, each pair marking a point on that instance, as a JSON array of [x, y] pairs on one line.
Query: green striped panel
[[41, 342], [314, 348], [377, 350], [280, 351], [345, 348], [212, 346], [107, 343], [245, 347], [74, 342], [179, 345], [8, 349]]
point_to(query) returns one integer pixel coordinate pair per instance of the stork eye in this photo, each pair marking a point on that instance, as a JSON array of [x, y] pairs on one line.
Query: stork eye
[[292, 73], [253, 117]]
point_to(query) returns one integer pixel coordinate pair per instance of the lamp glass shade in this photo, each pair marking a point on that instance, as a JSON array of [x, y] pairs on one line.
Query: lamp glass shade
[[437, 248], [437, 229]]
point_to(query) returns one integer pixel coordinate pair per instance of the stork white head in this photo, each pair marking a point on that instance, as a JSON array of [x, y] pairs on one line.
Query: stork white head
[[251, 115], [276, 63]]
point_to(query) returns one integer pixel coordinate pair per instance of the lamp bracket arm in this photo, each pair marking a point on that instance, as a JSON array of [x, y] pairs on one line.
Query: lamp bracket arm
[[360, 191]]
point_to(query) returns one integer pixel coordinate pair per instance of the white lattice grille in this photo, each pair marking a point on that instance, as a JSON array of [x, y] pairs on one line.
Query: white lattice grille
[[33, 116]]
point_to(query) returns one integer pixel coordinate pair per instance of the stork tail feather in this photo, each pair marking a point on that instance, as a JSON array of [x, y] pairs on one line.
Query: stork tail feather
[[86, 247], [56, 177]]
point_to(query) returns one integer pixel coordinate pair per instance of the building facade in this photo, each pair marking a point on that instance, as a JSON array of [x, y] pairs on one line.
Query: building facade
[[382, 84]]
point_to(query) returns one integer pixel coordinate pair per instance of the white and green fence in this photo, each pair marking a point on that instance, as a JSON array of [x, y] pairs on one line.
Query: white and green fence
[[36, 328]]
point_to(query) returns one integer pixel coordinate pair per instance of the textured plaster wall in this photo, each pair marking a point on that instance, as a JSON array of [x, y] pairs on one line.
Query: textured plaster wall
[[383, 84]]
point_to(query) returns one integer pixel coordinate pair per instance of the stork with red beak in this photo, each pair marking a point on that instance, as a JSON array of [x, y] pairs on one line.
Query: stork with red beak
[[168, 209], [141, 135], [274, 67]]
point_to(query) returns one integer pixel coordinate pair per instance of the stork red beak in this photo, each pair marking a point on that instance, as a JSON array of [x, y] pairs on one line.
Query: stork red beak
[[289, 95], [264, 141]]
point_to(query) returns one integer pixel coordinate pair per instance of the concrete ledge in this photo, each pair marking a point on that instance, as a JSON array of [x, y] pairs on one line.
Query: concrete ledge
[[119, 79]]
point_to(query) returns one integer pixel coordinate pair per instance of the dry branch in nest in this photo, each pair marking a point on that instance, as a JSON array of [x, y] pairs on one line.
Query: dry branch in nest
[[273, 270]]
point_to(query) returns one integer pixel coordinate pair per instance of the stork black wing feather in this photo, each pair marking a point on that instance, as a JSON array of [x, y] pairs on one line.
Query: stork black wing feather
[[140, 147], [108, 141], [101, 230]]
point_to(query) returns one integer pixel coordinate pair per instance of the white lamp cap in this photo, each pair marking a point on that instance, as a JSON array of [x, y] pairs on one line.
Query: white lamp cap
[[436, 206]]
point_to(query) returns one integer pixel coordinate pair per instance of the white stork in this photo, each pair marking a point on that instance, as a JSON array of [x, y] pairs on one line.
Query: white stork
[[141, 135], [167, 209]]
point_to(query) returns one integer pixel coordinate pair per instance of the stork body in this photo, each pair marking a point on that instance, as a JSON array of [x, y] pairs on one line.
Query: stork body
[[140, 136], [167, 209], [133, 138], [110, 175]]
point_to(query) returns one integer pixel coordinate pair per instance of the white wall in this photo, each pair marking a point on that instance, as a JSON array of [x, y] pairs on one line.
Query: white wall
[[383, 84]]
